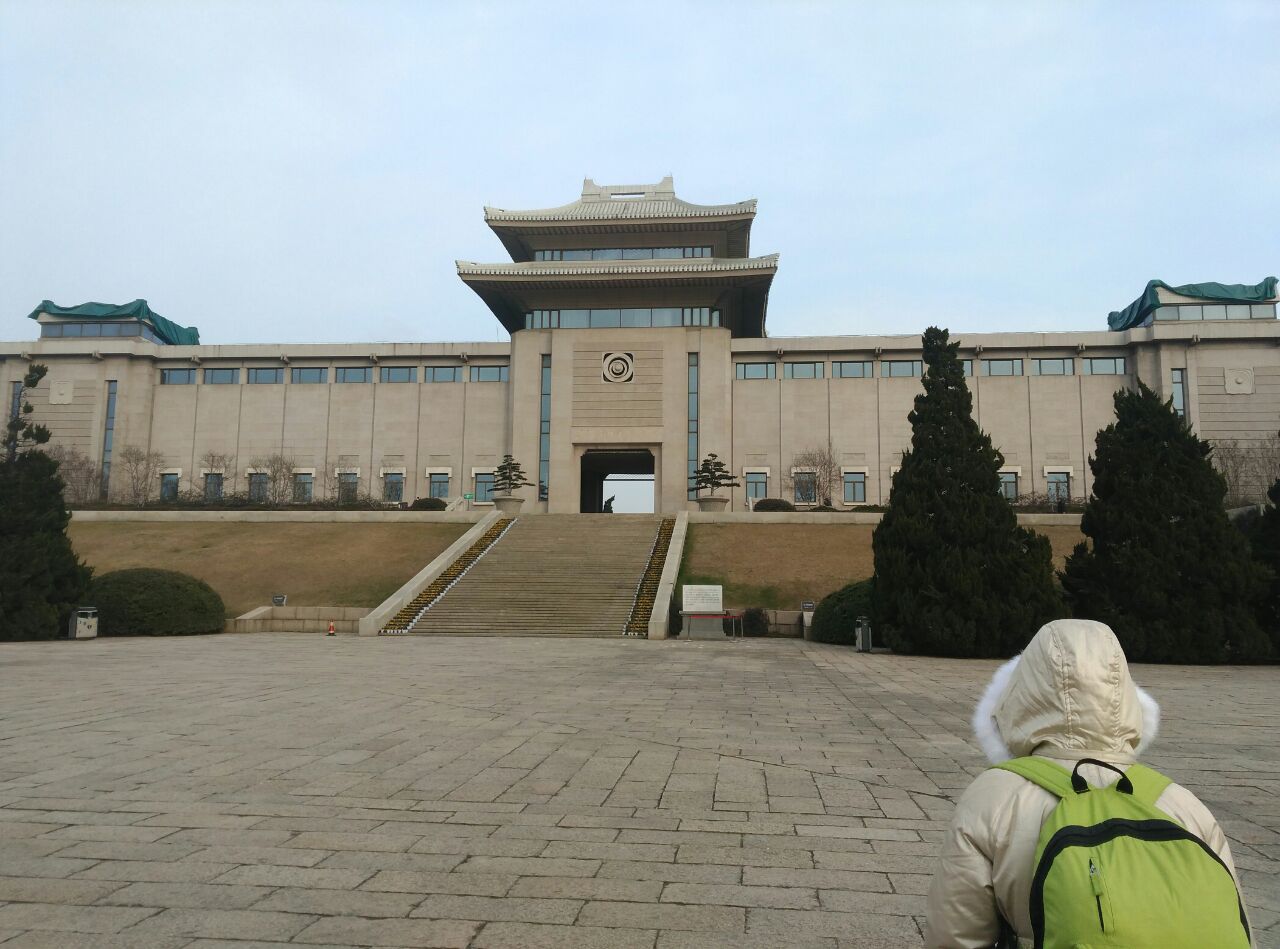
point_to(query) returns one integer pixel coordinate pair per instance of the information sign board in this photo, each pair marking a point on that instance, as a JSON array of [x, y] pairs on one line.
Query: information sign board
[[703, 599]]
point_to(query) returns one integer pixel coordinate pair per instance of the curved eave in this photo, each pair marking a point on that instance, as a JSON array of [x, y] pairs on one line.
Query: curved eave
[[515, 232], [627, 269], [638, 210]]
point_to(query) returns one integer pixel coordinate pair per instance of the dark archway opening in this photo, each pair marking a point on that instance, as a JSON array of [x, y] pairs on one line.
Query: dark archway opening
[[624, 475]]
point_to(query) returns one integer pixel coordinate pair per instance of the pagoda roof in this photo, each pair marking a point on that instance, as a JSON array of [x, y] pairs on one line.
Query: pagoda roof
[[621, 268], [652, 202]]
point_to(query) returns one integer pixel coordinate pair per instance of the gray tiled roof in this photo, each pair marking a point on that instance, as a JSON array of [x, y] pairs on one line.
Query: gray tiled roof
[[607, 203], [468, 268]]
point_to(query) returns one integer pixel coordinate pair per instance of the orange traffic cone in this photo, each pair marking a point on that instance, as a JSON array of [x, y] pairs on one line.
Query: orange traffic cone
[[331, 632]]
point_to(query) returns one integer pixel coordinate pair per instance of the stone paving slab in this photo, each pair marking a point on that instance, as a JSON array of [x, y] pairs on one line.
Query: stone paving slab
[[270, 790]]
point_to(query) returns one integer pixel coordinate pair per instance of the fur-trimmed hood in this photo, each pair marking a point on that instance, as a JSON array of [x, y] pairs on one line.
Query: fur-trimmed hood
[[1069, 692]]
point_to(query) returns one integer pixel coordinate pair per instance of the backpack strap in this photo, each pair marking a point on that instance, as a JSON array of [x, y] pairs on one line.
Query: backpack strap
[[1148, 784], [1040, 771]]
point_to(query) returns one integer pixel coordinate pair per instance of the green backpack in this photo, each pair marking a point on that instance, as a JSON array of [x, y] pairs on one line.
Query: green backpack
[[1113, 871]]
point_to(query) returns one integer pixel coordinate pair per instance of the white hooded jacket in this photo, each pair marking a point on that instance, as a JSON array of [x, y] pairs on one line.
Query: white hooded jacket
[[1068, 696]]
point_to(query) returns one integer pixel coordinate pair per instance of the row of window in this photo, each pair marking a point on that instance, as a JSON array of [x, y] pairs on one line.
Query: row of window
[[914, 368], [628, 317], [1217, 311], [302, 487], [623, 253], [341, 374], [854, 485], [73, 330]]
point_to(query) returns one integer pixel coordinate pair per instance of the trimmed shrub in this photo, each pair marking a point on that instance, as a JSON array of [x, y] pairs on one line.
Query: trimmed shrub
[[823, 509], [1264, 535], [835, 619], [773, 504], [146, 602], [428, 504], [755, 622]]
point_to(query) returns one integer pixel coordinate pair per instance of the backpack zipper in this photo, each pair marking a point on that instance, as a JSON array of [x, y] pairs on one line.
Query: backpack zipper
[[1095, 880]]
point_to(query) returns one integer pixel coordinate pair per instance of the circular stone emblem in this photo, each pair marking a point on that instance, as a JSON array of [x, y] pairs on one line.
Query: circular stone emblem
[[619, 367]]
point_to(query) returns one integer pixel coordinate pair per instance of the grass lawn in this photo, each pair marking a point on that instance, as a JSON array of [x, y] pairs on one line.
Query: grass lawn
[[777, 566], [315, 564]]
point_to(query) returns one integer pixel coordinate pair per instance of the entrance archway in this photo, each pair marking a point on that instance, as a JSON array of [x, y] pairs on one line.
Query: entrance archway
[[623, 474]]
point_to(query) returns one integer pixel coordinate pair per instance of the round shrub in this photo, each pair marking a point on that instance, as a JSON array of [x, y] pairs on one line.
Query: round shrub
[[755, 622], [773, 504], [428, 504], [835, 620], [146, 602]]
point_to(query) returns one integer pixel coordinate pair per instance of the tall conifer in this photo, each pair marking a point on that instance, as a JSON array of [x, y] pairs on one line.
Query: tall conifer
[[955, 574], [1165, 568]]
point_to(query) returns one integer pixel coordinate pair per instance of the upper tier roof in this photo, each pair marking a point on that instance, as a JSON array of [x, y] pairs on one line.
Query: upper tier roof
[[625, 203]]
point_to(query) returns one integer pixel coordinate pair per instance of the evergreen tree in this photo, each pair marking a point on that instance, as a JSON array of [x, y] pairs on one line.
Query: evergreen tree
[[955, 574], [41, 580], [1265, 538], [1166, 569]]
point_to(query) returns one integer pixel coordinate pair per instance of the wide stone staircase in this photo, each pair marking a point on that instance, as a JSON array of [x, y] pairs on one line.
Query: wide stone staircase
[[552, 574]]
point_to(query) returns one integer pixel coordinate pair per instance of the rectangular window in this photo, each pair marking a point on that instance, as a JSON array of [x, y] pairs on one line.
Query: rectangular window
[[1002, 367], [310, 376], [398, 374], [442, 374], [169, 487], [213, 486], [1059, 485], [484, 486], [438, 485], [1262, 311], [1108, 366], [757, 485], [855, 487], [303, 488], [1053, 367], [1009, 485], [489, 373], [259, 487], [266, 377], [222, 377], [802, 370], [177, 377], [901, 368], [755, 370], [1180, 392], [967, 366], [692, 431], [348, 487], [108, 435], [393, 487], [851, 370], [806, 485], [544, 430], [345, 374]]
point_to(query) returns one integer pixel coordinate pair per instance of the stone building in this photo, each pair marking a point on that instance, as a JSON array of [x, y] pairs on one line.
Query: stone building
[[638, 345]]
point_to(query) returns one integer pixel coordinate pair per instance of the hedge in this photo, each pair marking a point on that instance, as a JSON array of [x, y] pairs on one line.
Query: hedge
[[773, 504], [835, 620], [146, 602], [428, 504]]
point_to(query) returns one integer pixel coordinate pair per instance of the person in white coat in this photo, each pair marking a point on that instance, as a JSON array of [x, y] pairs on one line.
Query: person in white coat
[[1068, 696]]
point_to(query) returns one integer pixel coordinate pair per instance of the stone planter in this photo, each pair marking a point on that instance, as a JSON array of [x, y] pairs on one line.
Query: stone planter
[[712, 503], [507, 503]]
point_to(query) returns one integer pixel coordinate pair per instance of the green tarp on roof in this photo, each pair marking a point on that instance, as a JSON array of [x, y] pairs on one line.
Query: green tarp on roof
[[171, 333], [1136, 313]]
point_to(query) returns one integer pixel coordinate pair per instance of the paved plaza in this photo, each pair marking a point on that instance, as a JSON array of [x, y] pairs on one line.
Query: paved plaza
[[255, 791]]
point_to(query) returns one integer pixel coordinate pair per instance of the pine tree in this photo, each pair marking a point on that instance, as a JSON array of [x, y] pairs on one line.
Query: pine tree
[[509, 476], [955, 574], [41, 580], [1166, 569], [1265, 539]]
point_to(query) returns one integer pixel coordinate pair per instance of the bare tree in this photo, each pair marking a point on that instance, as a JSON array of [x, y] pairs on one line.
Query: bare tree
[[81, 474], [820, 465], [220, 462], [1249, 467], [278, 469], [141, 471]]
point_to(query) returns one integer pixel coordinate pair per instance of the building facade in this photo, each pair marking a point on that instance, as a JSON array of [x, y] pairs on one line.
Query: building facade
[[637, 346]]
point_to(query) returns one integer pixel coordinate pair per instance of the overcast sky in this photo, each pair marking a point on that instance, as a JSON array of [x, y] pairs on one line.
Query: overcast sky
[[290, 172]]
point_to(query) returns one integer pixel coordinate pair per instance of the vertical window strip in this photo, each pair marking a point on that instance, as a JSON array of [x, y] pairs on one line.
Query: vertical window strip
[[1180, 392], [108, 438], [693, 423], [544, 431]]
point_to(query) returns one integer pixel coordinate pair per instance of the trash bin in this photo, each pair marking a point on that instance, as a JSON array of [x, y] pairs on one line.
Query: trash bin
[[862, 641], [279, 599], [84, 623]]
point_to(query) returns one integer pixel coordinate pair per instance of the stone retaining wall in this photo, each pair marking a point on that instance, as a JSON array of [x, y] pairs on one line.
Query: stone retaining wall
[[299, 619]]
